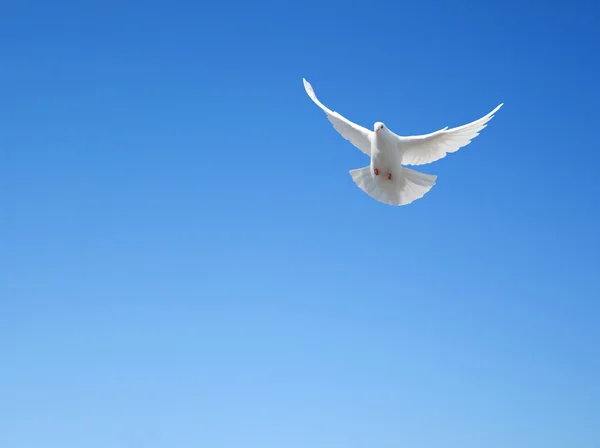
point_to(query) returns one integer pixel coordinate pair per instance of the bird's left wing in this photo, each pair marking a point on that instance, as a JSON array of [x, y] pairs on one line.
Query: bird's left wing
[[422, 149], [356, 134]]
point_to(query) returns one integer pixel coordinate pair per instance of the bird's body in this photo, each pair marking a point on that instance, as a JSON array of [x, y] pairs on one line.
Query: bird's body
[[386, 179], [384, 155]]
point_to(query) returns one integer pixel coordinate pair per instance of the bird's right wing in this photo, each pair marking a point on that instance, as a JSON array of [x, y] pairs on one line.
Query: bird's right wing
[[356, 134]]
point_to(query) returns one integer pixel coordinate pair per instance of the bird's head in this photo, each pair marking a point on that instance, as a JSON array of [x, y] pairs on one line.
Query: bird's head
[[378, 126]]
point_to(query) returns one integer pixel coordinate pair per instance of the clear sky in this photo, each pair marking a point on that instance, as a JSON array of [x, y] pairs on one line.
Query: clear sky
[[186, 262]]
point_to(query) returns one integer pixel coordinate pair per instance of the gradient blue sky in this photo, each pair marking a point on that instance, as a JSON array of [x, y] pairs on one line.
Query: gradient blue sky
[[185, 261]]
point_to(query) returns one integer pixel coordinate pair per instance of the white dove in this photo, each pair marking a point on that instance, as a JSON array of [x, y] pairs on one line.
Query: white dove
[[385, 179]]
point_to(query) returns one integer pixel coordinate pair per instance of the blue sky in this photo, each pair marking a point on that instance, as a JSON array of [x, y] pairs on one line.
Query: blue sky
[[185, 261]]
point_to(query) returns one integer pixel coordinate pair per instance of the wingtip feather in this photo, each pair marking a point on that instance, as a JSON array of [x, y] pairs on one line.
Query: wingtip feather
[[309, 89], [496, 109]]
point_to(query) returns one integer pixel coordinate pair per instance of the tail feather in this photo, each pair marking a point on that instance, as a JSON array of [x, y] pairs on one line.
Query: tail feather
[[404, 187]]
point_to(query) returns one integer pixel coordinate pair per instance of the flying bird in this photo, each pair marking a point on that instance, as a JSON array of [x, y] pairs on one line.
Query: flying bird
[[386, 179]]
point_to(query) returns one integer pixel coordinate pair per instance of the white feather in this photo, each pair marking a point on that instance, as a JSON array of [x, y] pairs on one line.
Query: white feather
[[423, 149], [357, 135]]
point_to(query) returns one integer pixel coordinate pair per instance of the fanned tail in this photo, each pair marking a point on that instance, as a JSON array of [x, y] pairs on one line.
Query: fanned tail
[[404, 187]]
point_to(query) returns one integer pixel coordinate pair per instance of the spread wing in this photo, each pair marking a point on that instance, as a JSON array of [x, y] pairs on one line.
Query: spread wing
[[357, 135], [422, 149]]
